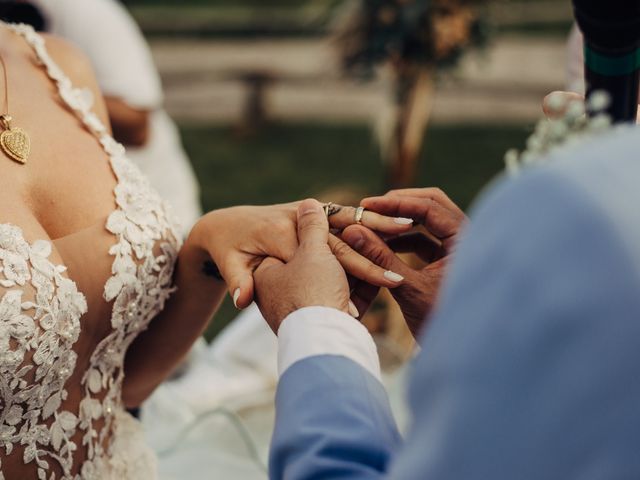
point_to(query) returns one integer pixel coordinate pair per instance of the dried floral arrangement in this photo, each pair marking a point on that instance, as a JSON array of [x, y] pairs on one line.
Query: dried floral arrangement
[[406, 32], [413, 40]]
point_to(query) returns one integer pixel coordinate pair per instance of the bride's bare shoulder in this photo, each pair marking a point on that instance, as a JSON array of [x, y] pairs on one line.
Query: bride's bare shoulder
[[75, 64]]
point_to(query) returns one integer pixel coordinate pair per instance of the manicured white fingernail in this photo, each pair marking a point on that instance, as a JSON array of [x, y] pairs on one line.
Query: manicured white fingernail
[[393, 276], [353, 311], [403, 221], [236, 296]]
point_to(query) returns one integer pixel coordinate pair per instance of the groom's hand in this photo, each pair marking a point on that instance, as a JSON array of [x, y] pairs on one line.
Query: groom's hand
[[313, 276], [441, 218]]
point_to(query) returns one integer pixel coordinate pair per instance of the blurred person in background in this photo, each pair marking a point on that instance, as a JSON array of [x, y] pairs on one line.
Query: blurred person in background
[[128, 78]]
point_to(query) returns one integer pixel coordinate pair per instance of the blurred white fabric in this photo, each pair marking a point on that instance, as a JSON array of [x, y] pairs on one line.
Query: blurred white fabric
[[216, 419], [121, 58]]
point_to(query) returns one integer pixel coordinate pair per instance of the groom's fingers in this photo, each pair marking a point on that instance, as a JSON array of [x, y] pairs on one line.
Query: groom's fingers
[[426, 248], [362, 295], [435, 194], [440, 221], [263, 276], [268, 278], [313, 227], [369, 245], [362, 268]]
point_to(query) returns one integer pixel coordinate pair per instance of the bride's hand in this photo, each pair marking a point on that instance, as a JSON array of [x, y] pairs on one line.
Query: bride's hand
[[237, 239]]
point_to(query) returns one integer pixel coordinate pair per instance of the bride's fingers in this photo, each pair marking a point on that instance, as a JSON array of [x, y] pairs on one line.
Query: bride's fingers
[[238, 273], [362, 268], [278, 238], [409, 205], [346, 216]]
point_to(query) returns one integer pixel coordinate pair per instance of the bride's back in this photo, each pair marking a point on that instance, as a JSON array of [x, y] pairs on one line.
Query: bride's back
[[65, 331]]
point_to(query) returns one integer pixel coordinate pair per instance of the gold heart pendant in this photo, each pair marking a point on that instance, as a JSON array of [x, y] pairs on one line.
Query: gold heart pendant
[[15, 144]]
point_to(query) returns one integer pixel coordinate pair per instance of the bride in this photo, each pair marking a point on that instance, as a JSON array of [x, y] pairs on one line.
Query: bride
[[99, 300]]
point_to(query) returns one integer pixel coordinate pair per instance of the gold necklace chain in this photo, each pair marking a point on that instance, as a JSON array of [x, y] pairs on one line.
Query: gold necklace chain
[[14, 141], [6, 86]]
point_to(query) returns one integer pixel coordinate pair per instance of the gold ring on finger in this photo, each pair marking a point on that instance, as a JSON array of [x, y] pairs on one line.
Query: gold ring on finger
[[357, 217]]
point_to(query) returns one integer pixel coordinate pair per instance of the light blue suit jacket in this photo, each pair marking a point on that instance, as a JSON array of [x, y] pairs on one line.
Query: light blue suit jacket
[[530, 369]]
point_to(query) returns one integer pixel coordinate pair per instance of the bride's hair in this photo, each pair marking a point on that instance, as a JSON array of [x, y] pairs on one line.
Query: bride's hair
[[22, 12]]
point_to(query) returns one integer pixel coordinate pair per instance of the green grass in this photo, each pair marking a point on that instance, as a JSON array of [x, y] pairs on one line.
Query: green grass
[[220, 3], [289, 162]]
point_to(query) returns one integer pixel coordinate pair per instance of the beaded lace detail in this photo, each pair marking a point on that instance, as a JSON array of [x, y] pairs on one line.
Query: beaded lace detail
[[40, 323]]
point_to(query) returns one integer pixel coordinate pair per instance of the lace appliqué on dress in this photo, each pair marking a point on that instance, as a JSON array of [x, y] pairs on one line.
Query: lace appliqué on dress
[[36, 355]]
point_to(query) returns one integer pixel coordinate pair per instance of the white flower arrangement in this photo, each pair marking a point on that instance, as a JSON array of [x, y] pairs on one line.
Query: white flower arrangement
[[570, 125]]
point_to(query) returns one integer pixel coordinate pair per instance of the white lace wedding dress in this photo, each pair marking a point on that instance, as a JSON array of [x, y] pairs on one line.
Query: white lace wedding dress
[[51, 427]]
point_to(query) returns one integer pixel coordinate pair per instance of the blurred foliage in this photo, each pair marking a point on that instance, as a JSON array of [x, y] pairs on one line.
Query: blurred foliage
[[290, 162], [409, 32]]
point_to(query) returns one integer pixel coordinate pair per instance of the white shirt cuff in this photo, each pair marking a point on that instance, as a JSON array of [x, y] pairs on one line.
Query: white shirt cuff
[[314, 331]]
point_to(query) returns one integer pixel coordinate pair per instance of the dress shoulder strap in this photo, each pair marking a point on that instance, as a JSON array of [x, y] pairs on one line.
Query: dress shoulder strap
[[79, 100]]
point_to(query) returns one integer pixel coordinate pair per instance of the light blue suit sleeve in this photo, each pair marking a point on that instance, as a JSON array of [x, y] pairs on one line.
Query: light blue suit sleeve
[[333, 421], [529, 370]]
